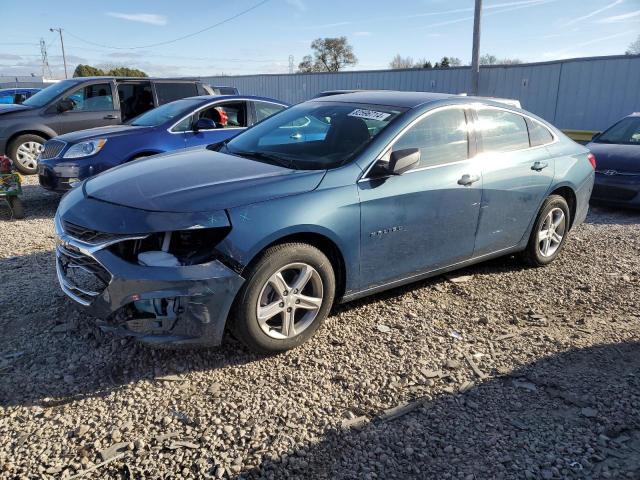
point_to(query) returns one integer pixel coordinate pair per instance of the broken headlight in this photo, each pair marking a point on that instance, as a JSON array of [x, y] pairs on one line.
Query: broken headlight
[[181, 247]]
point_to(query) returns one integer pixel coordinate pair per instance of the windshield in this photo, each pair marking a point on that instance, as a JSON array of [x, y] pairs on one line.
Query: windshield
[[45, 95], [314, 135], [626, 131], [166, 112]]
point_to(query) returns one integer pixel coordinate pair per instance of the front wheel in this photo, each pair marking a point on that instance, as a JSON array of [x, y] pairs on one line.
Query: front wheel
[[549, 232], [286, 298], [24, 151]]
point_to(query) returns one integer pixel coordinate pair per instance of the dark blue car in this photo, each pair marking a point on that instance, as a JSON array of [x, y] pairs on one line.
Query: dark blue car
[[262, 234], [185, 123], [10, 96], [617, 151]]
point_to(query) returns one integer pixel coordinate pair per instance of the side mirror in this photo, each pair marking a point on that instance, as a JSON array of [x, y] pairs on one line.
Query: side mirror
[[401, 161], [203, 124], [65, 105], [595, 136]]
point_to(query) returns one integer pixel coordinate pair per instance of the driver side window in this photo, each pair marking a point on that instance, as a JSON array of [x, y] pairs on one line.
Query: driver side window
[[92, 98], [442, 138]]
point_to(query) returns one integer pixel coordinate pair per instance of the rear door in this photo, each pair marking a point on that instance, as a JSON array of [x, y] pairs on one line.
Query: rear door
[[426, 218], [262, 110], [93, 106], [516, 170], [230, 117]]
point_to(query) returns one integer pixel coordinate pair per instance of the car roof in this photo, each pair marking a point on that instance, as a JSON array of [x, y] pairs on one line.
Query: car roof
[[402, 99], [210, 98], [386, 97], [154, 79]]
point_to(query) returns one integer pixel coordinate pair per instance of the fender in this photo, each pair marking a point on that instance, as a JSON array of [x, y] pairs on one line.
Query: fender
[[29, 127]]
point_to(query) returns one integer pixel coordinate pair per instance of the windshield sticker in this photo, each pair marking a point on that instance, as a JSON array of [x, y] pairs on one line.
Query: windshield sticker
[[369, 114]]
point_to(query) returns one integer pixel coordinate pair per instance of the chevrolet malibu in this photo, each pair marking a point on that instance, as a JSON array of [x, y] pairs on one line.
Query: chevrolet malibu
[[262, 234]]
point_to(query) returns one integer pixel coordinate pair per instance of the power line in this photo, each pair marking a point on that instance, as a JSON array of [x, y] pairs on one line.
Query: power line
[[222, 22]]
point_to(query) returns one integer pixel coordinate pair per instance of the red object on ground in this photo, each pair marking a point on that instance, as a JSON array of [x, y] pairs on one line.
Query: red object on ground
[[5, 164]]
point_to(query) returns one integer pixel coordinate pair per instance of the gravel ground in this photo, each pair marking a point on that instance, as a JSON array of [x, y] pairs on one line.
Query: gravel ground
[[503, 372]]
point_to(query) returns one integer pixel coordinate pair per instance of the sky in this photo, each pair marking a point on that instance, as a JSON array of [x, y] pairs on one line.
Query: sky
[[259, 36]]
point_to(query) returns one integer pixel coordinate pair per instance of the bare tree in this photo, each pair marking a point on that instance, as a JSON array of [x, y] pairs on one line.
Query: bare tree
[[329, 55], [401, 62], [488, 59], [634, 47], [455, 62]]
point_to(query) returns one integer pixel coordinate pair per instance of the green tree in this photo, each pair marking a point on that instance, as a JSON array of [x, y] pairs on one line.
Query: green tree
[[444, 63], [329, 55], [126, 72], [87, 71]]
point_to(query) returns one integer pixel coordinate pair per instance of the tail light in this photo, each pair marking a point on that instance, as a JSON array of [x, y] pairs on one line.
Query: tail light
[[592, 160], [5, 164]]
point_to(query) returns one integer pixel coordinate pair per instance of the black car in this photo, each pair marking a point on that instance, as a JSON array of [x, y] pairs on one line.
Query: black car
[[80, 103], [617, 150]]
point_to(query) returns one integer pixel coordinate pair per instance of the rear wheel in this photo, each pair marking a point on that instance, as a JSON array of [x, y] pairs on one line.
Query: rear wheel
[[24, 151], [287, 296], [549, 232]]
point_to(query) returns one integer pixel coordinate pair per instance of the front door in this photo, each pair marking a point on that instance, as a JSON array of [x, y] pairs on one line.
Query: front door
[[425, 219], [230, 118], [93, 106]]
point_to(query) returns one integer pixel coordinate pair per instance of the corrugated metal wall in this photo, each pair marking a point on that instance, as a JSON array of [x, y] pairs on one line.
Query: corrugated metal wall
[[583, 94]]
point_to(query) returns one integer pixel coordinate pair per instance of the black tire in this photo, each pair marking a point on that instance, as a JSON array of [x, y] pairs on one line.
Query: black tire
[[12, 151], [16, 206], [533, 254], [244, 319]]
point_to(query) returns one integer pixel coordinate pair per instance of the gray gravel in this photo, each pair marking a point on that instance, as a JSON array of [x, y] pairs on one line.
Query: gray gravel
[[503, 372]]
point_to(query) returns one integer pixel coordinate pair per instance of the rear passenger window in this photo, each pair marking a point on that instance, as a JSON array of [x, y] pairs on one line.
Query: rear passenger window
[[168, 92], [502, 131], [442, 138], [265, 109], [538, 134]]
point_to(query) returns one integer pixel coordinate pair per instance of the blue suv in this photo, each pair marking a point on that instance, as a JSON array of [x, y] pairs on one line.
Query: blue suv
[[263, 233], [189, 122]]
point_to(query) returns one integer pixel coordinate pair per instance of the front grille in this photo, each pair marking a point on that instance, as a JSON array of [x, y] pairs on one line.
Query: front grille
[[52, 149], [89, 236], [80, 276]]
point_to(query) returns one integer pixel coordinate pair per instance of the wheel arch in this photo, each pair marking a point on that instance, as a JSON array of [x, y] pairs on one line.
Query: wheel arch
[[47, 135], [569, 194], [320, 241]]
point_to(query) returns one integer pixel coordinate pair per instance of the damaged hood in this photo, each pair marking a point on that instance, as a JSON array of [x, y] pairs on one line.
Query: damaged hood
[[197, 180]]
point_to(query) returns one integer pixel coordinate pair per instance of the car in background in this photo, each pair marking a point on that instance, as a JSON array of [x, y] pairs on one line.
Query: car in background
[[221, 90], [184, 123], [9, 96], [617, 150], [79, 103], [261, 237]]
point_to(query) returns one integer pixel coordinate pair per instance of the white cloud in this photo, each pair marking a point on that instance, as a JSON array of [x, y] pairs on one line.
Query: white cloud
[[621, 18], [150, 18], [297, 4], [593, 13]]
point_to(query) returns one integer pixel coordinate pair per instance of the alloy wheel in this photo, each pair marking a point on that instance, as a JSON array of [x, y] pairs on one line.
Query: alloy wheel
[[290, 300], [552, 232], [27, 154]]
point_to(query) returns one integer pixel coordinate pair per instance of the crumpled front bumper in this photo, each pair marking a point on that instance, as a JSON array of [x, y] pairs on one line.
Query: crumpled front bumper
[[194, 300]]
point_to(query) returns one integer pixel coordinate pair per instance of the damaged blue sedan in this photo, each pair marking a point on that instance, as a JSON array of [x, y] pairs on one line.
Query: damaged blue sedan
[[330, 200]]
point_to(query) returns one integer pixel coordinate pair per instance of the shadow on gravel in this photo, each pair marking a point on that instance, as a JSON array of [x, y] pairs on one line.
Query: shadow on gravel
[[602, 215], [571, 415], [35, 327], [38, 203]]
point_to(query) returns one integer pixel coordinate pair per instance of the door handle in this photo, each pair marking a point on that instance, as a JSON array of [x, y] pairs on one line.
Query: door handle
[[539, 166], [110, 117], [467, 179]]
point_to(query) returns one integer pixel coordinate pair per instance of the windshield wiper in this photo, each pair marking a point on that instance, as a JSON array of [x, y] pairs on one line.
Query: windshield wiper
[[263, 156]]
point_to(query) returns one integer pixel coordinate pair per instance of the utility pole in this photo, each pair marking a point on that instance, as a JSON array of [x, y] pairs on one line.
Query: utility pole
[[290, 63], [64, 57], [475, 55]]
